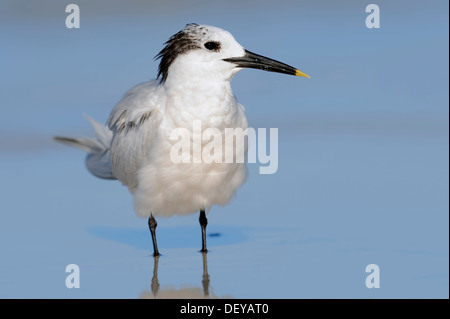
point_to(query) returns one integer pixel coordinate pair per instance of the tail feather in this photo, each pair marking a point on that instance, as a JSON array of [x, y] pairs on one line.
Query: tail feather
[[98, 160], [103, 133], [88, 145]]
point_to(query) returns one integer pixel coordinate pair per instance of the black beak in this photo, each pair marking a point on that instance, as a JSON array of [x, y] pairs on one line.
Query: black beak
[[256, 61]]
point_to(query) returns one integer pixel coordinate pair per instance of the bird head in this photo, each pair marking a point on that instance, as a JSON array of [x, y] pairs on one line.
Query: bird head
[[207, 52]]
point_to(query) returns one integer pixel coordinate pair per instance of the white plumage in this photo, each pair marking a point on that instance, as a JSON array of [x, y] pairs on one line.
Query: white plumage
[[140, 158], [193, 84]]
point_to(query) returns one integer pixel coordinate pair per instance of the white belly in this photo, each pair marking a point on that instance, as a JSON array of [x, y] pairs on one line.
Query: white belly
[[166, 188], [181, 189]]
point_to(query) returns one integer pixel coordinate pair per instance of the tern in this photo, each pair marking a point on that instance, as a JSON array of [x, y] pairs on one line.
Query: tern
[[193, 84]]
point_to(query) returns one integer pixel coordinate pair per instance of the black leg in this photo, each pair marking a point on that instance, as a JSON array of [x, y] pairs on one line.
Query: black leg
[[203, 222], [152, 225]]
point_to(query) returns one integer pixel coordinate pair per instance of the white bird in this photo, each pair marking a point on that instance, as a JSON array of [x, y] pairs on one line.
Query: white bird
[[193, 83]]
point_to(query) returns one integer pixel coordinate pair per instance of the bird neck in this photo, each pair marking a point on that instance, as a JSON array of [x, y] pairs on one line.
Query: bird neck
[[210, 101]]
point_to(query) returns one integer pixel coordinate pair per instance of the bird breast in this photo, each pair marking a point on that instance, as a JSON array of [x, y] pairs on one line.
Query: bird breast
[[168, 188]]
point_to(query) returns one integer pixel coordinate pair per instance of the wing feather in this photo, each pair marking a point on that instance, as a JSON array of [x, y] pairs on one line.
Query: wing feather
[[132, 122]]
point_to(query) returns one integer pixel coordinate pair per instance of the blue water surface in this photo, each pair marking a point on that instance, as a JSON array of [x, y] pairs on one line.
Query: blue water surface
[[362, 167]]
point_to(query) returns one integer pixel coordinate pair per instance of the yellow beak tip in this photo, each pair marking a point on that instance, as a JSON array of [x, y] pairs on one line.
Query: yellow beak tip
[[300, 73]]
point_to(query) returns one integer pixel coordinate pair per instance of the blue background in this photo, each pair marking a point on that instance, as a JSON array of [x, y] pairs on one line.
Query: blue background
[[363, 153]]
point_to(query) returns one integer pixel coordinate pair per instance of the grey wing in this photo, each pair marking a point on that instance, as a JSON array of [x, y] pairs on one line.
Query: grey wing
[[133, 122]]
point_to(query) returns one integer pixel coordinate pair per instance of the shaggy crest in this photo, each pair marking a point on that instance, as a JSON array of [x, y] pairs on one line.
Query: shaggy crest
[[183, 41]]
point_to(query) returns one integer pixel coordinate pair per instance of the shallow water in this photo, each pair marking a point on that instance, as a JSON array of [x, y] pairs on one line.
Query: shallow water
[[363, 156]]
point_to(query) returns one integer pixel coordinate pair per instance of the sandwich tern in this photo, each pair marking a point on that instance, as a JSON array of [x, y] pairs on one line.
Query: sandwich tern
[[192, 84]]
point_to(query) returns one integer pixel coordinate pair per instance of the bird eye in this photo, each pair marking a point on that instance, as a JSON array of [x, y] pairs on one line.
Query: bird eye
[[212, 46]]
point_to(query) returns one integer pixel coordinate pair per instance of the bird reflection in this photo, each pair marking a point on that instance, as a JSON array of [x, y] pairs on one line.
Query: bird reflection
[[155, 282], [205, 280], [205, 292]]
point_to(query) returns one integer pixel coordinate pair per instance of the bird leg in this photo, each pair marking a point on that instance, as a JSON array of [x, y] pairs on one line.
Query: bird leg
[[203, 222], [152, 225]]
